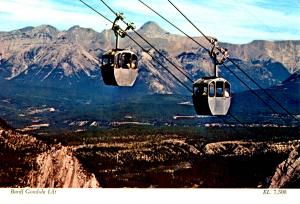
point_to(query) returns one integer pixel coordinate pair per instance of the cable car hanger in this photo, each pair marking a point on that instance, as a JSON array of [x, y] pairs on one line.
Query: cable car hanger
[[214, 55], [119, 66], [117, 29], [211, 95]]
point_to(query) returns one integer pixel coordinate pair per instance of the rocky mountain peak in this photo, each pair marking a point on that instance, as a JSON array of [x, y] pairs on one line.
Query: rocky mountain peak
[[152, 29], [83, 35], [78, 29], [26, 29], [45, 29], [75, 27]]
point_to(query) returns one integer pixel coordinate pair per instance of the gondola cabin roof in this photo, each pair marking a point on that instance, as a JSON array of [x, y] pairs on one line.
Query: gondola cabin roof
[[206, 80], [118, 51]]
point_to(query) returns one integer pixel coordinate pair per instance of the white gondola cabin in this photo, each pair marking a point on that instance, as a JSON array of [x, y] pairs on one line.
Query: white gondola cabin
[[211, 96], [119, 67]]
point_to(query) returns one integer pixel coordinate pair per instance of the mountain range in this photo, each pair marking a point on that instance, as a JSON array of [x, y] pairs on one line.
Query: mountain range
[[43, 55], [45, 64]]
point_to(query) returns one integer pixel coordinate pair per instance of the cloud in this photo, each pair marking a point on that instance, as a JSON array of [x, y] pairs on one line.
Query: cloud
[[37, 12], [241, 20]]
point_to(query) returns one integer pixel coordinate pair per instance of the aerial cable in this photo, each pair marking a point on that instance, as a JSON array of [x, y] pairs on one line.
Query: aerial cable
[[254, 93], [209, 52], [150, 55], [189, 89], [269, 106], [96, 11], [189, 21], [232, 61], [180, 70], [264, 90], [174, 25], [189, 38]]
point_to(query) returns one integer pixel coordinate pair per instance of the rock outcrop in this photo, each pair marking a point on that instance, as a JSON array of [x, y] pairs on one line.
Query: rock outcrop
[[58, 168], [28, 162], [245, 148], [288, 172]]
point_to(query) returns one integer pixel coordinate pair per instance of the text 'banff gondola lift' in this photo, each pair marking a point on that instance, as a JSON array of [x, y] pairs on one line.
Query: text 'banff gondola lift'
[[119, 66]]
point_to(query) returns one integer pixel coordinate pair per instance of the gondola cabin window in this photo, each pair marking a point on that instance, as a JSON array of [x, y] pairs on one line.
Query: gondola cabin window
[[134, 62], [219, 88], [196, 90], [107, 60], [125, 60], [227, 90], [204, 90], [212, 89], [201, 90]]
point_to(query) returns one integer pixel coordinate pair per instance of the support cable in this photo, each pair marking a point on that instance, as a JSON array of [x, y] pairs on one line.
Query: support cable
[[270, 107], [232, 61], [180, 70], [254, 93], [152, 45], [184, 85], [174, 26], [154, 58]]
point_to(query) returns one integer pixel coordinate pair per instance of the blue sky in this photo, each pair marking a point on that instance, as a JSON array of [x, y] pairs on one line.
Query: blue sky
[[235, 21]]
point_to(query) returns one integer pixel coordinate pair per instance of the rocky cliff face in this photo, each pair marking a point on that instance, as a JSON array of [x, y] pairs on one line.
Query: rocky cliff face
[[286, 52], [287, 174], [42, 52], [59, 168], [28, 162]]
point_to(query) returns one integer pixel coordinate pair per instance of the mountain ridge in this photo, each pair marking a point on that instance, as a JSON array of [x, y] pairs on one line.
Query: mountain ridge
[[76, 52]]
